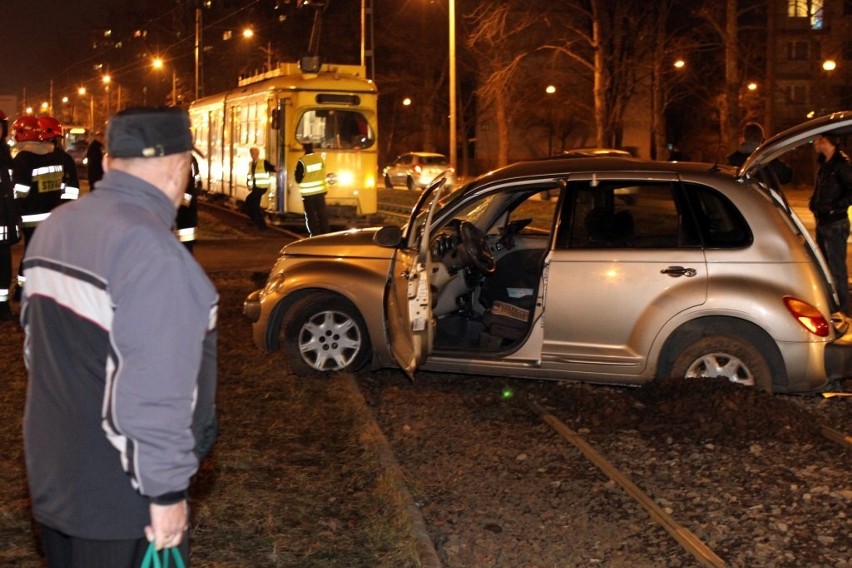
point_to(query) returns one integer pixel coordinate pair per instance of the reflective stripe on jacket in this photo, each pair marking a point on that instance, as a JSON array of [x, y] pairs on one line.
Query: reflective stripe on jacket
[[314, 181]]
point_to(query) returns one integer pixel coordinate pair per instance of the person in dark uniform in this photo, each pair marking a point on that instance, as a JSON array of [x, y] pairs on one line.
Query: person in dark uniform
[[313, 185], [94, 159], [43, 178], [258, 181], [9, 227], [186, 223]]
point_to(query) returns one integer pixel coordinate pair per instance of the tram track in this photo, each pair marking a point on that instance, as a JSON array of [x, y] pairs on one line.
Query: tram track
[[487, 477]]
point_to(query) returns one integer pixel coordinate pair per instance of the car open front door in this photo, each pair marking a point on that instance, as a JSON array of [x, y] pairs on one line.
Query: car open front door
[[408, 298]]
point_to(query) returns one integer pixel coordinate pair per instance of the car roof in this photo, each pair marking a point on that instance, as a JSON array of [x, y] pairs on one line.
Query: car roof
[[603, 164], [580, 152]]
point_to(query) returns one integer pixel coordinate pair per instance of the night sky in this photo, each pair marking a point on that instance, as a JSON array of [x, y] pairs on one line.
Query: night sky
[[46, 39]]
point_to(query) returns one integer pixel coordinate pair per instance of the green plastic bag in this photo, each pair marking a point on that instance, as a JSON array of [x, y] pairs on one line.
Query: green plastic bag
[[154, 559]]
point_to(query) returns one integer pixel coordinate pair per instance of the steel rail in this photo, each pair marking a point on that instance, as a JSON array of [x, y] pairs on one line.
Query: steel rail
[[681, 534]]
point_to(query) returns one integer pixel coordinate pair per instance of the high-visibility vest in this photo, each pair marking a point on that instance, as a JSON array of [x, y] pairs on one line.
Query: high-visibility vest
[[314, 181], [260, 179]]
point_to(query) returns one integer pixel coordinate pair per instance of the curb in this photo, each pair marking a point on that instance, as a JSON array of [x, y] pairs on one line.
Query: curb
[[375, 440]]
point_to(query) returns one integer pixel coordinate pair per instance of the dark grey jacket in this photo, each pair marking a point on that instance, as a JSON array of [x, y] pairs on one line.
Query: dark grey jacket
[[833, 189], [120, 346]]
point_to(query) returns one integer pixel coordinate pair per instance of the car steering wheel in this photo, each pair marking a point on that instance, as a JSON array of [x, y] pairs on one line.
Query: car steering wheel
[[473, 245]]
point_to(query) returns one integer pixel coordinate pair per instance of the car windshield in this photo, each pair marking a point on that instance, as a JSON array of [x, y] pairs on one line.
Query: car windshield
[[421, 210]]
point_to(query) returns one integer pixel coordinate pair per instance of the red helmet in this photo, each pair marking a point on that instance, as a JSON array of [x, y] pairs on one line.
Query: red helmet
[[50, 128], [26, 129]]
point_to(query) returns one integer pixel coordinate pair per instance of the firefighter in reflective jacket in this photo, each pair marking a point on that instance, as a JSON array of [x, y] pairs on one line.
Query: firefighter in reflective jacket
[[9, 229], [43, 177], [313, 185], [186, 224]]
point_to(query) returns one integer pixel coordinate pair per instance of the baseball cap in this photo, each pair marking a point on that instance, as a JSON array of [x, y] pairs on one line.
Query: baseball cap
[[148, 132]]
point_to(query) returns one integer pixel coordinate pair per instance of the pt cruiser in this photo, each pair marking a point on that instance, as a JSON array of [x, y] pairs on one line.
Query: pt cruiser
[[636, 271]]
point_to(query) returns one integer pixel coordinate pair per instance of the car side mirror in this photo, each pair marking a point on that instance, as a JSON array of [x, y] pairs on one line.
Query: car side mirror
[[389, 236]]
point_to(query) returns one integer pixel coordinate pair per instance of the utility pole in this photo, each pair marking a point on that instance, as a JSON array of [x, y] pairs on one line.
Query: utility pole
[[199, 90]]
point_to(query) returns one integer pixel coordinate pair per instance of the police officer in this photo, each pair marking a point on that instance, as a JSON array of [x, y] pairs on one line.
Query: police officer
[[43, 178], [313, 185], [9, 230], [258, 181], [187, 215]]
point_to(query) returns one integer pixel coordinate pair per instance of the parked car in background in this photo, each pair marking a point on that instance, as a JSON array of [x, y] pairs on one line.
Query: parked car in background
[[416, 170], [596, 153], [702, 272]]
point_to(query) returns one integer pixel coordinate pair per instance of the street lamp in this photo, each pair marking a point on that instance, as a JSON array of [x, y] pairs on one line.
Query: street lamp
[[248, 33], [106, 80], [549, 91], [82, 92], [158, 64]]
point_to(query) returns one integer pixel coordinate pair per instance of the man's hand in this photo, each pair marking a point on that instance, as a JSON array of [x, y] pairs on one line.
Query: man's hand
[[168, 524]]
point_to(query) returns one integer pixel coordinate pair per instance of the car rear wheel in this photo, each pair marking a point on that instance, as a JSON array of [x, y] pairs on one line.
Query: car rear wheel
[[409, 183], [322, 334], [723, 356], [388, 182]]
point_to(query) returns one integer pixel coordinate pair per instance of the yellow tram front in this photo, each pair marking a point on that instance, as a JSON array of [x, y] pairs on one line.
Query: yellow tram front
[[335, 109]]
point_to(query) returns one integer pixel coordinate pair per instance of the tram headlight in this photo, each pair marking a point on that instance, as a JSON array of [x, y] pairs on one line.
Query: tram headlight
[[345, 178]]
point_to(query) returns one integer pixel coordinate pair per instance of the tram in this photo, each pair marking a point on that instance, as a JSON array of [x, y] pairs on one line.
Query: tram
[[333, 107]]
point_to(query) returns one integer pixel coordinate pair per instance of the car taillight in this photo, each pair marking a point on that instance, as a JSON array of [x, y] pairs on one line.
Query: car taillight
[[807, 315]]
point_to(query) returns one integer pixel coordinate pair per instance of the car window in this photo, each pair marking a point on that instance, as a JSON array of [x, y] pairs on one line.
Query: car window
[[720, 222], [435, 160], [624, 214]]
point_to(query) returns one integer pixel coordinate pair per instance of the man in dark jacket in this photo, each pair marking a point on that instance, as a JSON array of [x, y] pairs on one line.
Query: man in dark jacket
[[121, 352], [831, 198], [94, 157], [752, 137]]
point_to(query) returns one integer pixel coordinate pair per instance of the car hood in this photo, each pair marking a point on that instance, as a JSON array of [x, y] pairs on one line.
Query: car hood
[[347, 244], [837, 123]]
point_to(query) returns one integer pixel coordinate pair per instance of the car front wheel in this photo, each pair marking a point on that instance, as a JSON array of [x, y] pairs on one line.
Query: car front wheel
[[388, 182], [723, 356], [409, 183], [324, 334]]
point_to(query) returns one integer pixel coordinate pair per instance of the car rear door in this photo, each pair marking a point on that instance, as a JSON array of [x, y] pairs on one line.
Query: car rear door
[[626, 261]]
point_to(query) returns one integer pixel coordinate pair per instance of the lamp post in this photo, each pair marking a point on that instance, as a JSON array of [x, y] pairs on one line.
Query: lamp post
[[159, 64], [549, 91], [106, 80], [452, 74], [267, 51], [829, 65]]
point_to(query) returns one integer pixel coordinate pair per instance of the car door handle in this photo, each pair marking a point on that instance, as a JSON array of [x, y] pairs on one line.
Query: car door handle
[[678, 271]]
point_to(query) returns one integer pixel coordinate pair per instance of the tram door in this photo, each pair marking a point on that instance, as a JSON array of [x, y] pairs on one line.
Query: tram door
[[278, 149], [232, 136]]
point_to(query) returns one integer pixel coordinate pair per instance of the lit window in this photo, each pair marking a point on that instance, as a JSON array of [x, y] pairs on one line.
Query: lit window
[[810, 9]]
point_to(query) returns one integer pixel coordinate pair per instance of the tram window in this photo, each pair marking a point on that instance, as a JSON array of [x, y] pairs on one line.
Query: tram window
[[335, 129]]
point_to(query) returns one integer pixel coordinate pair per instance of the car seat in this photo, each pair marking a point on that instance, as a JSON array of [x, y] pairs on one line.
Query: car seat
[[509, 296]]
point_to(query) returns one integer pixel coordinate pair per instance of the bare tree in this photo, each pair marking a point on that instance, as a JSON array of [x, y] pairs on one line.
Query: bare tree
[[500, 41], [610, 41]]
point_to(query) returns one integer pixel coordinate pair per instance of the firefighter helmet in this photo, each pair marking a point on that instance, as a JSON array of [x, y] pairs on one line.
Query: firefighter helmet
[[26, 129], [50, 128]]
